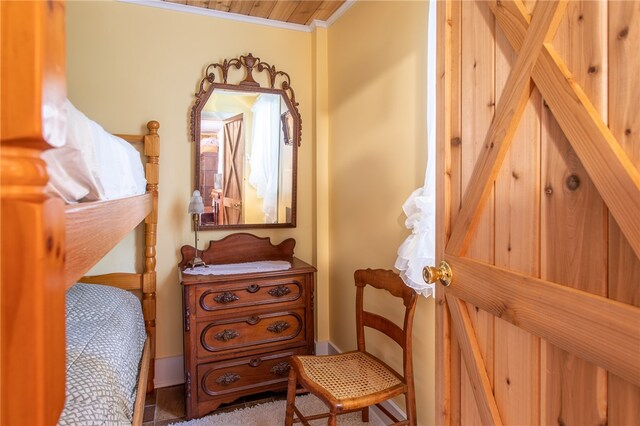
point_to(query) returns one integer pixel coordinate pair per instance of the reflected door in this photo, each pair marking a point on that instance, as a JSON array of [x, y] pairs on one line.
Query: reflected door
[[231, 210]]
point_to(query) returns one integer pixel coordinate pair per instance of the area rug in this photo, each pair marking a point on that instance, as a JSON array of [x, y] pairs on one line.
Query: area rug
[[272, 414]]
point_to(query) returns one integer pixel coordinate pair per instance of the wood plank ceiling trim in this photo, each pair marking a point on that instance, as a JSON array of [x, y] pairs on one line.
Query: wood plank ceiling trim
[[302, 12]]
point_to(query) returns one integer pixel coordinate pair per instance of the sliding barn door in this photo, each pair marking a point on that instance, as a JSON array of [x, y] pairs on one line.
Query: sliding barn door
[[539, 212]]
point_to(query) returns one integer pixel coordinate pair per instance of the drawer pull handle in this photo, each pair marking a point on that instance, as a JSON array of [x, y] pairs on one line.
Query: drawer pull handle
[[227, 378], [279, 291], [226, 335], [255, 362], [280, 369], [253, 288], [253, 320], [278, 327], [226, 297]]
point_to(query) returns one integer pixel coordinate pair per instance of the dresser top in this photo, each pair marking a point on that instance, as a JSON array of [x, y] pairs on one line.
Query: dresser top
[[297, 267]]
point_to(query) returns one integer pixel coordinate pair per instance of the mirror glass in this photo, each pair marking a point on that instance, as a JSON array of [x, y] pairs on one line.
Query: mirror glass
[[246, 148]]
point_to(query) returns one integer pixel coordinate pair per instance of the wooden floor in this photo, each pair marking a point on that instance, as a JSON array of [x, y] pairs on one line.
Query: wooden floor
[[166, 405]]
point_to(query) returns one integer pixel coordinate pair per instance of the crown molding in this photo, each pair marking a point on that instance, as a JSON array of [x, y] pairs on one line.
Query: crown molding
[[338, 13]]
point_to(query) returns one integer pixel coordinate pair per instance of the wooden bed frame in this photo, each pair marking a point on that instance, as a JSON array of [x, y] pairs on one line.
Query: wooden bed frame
[[47, 247]]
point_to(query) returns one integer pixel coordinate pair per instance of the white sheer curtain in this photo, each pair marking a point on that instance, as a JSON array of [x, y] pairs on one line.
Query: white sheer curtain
[[418, 250], [265, 150]]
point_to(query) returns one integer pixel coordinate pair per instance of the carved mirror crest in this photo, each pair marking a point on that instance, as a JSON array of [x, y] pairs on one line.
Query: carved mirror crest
[[247, 136]]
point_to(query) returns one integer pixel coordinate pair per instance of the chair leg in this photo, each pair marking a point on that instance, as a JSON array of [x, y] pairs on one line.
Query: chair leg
[[291, 397], [410, 400], [332, 420], [365, 415]]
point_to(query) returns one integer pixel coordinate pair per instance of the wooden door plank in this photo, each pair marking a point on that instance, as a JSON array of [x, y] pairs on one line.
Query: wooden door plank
[[574, 220], [444, 64], [474, 362], [508, 113], [608, 165], [598, 329], [624, 122], [517, 247], [454, 174], [477, 100]]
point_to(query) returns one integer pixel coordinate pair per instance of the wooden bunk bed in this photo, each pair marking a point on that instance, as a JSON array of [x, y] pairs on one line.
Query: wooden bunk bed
[[47, 247]]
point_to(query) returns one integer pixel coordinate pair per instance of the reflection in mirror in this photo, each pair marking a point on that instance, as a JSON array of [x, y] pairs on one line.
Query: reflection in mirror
[[245, 159], [246, 155]]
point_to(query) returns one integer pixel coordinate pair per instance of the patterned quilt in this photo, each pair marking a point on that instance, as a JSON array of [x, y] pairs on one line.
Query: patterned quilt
[[105, 338]]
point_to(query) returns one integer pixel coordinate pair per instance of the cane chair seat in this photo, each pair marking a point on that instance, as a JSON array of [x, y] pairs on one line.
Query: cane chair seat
[[349, 376]]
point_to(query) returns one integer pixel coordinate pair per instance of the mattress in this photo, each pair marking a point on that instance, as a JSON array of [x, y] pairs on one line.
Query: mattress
[[92, 164], [105, 339]]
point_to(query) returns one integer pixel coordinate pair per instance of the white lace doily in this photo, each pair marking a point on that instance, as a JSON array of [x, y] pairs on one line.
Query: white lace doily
[[240, 268]]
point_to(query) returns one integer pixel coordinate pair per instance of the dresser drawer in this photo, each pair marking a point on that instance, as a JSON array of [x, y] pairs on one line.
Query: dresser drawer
[[252, 330], [244, 374], [248, 293]]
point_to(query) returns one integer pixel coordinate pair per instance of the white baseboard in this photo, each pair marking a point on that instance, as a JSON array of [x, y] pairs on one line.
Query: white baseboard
[[379, 418], [169, 372], [325, 347]]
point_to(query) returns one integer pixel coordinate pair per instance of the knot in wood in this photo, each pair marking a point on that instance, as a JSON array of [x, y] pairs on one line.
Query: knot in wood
[[548, 190], [624, 33], [573, 182]]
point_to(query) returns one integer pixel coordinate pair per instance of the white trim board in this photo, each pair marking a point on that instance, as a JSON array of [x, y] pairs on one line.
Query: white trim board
[[176, 7], [169, 372]]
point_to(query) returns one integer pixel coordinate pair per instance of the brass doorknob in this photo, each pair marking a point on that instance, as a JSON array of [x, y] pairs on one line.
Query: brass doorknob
[[442, 273]]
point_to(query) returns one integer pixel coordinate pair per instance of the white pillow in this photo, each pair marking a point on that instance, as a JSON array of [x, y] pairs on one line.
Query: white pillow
[[93, 164]]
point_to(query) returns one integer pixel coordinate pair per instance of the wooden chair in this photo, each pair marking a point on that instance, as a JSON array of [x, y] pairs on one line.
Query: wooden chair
[[356, 380]]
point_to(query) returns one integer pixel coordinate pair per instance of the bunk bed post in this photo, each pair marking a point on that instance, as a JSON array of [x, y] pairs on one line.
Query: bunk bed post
[[152, 151], [32, 260]]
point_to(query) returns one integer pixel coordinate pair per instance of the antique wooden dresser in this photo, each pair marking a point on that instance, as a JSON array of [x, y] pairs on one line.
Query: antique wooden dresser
[[241, 329]]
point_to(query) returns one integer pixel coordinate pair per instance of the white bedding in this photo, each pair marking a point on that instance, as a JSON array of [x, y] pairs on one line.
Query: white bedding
[[93, 164]]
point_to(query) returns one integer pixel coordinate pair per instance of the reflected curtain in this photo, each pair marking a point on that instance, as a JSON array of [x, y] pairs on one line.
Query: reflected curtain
[[418, 250], [265, 154]]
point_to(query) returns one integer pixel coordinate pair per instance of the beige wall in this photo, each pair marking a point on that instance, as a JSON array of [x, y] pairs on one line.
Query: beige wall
[[361, 87], [128, 64], [377, 157]]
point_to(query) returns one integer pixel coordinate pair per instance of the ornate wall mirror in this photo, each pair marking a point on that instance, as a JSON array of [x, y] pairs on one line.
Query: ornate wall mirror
[[247, 137]]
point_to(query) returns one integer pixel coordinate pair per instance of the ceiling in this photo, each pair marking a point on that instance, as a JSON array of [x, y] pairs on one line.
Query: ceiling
[[302, 12]]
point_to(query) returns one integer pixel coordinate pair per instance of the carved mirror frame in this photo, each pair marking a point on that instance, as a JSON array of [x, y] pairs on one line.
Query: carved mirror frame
[[278, 82]]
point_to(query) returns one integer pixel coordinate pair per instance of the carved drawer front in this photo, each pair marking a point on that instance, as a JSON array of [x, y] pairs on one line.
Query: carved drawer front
[[241, 375], [256, 292], [250, 330]]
